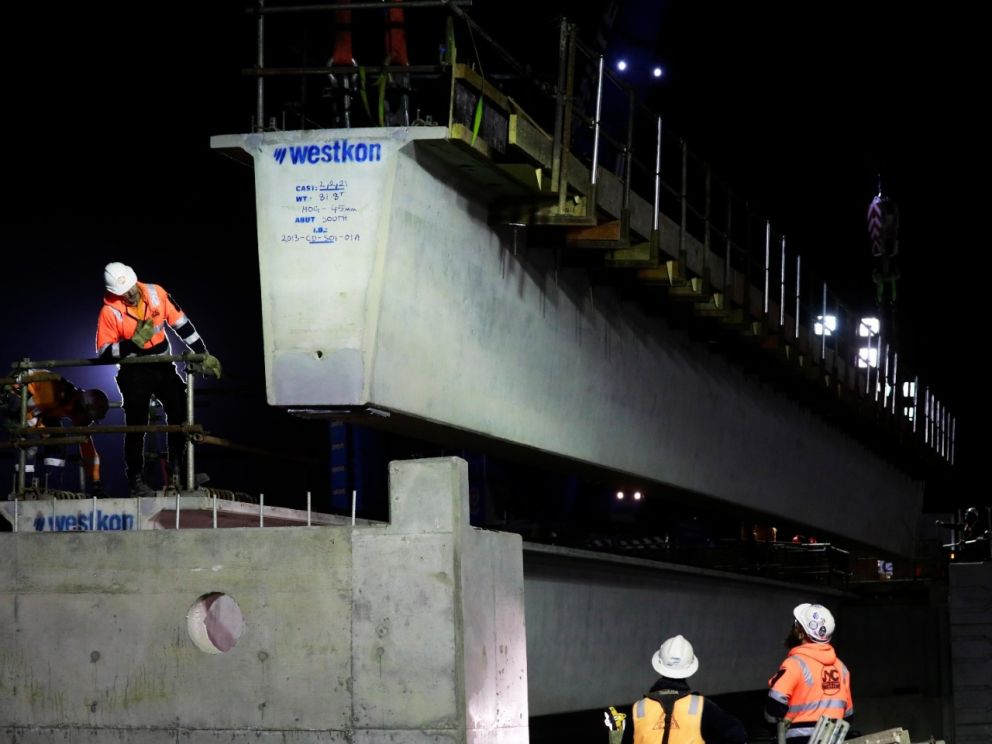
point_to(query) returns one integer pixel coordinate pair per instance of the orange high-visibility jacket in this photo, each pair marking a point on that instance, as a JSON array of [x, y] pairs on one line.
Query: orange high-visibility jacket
[[117, 323], [687, 716], [812, 682], [54, 400]]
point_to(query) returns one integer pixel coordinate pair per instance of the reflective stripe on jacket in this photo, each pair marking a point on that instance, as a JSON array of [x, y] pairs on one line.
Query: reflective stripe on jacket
[[117, 321], [812, 682], [687, 715]]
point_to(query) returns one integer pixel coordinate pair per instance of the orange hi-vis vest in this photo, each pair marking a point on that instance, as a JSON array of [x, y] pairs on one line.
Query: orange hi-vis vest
[[813, 682], [687, 716], [118, 321], [51, 400]]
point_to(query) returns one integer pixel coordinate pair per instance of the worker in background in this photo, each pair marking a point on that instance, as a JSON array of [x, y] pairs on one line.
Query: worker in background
[[671, 712], [812, 681], [132, 322], [52, 398], [972, 542]]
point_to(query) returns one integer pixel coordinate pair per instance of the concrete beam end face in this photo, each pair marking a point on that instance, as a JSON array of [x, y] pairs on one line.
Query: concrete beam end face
[[428, 496]]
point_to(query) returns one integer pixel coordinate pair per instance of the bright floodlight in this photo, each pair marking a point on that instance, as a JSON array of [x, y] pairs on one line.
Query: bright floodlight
[[657, 72], [909, 412], [829, 322], [622, 65], [909, 389], [869, 327], [637, 495], [619, 495], [867, 357]]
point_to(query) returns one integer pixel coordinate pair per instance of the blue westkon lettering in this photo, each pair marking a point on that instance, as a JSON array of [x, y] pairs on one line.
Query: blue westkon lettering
[[338, 151], [84, 522]]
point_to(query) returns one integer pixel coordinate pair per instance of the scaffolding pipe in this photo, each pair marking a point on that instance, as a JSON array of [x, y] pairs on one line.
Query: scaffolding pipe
[[190, 462], [657, 181], [23, 458], [895, 380], [916, 400], [886, 386], [768, 250], [599, 110], [557, 156], [261, 509], [27, 364], [781, 293], [30, 432], [260, 62]]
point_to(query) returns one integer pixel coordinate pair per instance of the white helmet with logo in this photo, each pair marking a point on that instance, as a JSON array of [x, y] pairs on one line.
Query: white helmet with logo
[[119, 278], [675, 659], [816, 621]]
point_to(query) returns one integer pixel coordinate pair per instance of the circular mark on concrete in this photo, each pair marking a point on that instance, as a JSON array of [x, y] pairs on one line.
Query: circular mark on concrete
[[94, 656], [215, 623]]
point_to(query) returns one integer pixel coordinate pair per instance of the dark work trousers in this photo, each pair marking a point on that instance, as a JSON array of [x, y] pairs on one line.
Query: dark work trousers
[[138, 383]]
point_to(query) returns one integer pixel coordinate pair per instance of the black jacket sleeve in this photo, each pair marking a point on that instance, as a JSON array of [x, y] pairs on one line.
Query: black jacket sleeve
[[719, 727]]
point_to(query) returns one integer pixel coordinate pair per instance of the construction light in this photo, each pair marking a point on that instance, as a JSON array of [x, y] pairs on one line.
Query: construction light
[[868, 327], [909, 389], [826, 323], [909, 412], [622, 65], [867, 357], [619, 495], [657, 72], [637, 495]]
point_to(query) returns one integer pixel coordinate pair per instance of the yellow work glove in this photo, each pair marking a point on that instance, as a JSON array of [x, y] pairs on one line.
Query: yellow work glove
[[615, 722], [143, 333], [211, 366]]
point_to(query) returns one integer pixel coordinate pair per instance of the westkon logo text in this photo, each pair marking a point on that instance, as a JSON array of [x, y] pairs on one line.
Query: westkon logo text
[[98, 520], [338, 151]]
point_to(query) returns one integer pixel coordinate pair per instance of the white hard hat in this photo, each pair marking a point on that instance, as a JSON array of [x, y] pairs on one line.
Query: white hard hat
[[119, 278], [675, 659], [816, 621]]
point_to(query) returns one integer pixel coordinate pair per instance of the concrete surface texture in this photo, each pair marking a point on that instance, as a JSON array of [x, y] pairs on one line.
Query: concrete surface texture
[[971, 651], [408, 632], [416, 305]]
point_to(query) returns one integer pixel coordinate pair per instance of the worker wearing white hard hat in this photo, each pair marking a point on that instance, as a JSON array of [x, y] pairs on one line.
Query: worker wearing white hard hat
[[811, 682], [132, 323], [671, 712]]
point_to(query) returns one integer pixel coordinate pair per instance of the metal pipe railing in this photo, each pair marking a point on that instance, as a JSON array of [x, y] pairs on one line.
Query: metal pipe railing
[[31, 437]]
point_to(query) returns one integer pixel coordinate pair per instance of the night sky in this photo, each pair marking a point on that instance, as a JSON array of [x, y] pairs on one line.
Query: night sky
[[107, 124]]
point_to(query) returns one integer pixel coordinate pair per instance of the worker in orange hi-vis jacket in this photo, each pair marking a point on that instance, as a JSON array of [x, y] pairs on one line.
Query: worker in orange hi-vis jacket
[[52, 398], [132, 322], [811, 681]]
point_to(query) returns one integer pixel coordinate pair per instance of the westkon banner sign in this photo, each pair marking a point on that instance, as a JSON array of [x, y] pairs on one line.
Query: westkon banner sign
[[198, 510]]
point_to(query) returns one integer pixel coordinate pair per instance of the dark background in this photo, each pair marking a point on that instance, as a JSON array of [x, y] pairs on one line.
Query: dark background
[[109, 110]]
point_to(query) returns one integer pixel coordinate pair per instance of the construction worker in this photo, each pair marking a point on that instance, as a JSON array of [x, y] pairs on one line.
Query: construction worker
[[812, 681], [132, 322], [52, 398], [671, 713]]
